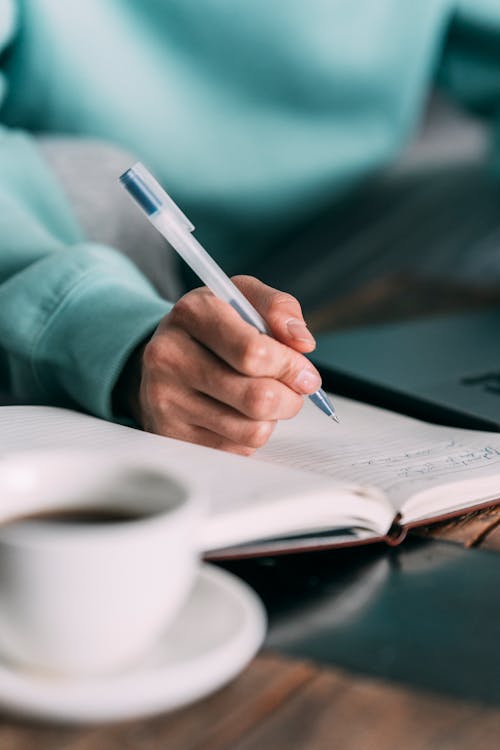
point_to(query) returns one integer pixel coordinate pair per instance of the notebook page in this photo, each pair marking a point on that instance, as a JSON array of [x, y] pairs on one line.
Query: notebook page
[[402, 456], [235, 484]]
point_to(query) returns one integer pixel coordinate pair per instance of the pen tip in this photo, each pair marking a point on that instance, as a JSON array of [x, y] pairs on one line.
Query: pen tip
[[335, 418]]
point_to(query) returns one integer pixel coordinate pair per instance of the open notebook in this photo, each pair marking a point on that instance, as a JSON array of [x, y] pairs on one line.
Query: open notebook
[[315, 485]]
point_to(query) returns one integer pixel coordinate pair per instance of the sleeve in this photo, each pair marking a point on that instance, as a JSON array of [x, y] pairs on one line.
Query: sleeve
[[470, 65], [71, 312]]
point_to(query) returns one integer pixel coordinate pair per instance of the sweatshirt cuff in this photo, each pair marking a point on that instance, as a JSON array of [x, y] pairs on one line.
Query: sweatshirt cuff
[[90, 336]]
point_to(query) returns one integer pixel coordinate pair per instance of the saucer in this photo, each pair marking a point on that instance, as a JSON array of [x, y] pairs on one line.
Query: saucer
[[217, 632]]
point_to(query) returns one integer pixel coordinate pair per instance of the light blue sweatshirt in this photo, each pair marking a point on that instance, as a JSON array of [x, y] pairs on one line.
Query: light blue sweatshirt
[[253, 114]]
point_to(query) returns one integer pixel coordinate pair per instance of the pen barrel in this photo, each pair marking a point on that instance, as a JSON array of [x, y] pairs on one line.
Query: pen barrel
[[207, 269]]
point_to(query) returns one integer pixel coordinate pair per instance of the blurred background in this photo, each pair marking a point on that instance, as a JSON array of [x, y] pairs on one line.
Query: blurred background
[[422, 237]]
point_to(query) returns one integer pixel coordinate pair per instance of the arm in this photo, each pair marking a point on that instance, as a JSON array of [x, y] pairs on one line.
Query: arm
[[70, 311]]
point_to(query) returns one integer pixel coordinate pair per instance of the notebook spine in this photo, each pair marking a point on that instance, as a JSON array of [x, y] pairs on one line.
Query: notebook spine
[[397, 532]]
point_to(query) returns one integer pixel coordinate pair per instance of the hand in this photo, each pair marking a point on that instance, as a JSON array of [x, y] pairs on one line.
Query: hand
[[208, 377]]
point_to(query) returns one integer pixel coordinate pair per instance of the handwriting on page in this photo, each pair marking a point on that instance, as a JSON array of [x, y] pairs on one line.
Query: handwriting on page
[[436, 462], [399, 456]]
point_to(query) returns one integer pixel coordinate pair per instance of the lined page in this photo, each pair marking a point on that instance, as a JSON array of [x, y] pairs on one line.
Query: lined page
[[402, 456], [237, 487]]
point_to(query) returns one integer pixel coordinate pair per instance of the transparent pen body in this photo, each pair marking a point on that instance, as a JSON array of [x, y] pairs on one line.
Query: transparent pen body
[[206, 268]]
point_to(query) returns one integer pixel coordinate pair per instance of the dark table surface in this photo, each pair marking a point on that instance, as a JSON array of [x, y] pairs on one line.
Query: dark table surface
[[426, 614]]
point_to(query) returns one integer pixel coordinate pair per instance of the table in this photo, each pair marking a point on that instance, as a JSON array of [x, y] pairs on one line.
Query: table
[[285, 704], [369, 649]]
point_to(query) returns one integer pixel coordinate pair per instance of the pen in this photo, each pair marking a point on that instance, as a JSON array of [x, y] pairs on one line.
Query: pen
[[169, 220]]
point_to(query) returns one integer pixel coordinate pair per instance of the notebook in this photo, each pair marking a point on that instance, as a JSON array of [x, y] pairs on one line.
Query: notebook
[[444, 369], [315, 485]]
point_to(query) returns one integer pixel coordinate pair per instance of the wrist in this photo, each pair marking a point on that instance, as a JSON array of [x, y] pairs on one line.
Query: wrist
[[125, 397]]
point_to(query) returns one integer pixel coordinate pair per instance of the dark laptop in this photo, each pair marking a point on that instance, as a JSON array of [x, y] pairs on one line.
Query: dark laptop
[[442, 369]]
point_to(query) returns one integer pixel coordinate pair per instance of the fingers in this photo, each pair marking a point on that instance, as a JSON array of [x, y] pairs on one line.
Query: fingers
[[208, 377], [281, 311], [201, 436], [230, 424], [188, 408], [216, 326], [200, 370]]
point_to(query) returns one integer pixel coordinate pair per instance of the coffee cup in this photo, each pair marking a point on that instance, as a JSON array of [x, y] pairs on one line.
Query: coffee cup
[[97, 554]]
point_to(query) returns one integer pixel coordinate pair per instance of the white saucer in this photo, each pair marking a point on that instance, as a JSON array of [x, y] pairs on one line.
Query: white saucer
[[215, 635]]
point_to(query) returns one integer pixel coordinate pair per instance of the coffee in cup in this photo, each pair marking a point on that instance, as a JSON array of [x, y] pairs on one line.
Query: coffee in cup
[[97, 554]]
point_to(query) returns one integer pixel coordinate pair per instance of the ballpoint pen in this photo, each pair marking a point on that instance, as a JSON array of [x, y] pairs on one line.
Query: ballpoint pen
[[169, 220]]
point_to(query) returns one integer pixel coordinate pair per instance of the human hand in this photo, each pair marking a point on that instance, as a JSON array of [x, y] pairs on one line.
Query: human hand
[[208, 377]]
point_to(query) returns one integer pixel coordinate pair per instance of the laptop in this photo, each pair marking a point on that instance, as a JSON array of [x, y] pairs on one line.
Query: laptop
[[442, 369]]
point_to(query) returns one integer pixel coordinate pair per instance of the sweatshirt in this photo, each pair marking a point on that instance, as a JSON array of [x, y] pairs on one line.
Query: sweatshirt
[[254, 115]]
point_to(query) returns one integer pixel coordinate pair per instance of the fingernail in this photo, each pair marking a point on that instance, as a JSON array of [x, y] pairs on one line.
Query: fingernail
[[308, 380], [298, 330]]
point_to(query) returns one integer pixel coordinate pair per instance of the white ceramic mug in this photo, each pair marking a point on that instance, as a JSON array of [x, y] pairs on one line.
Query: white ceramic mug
[[89, 598]]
